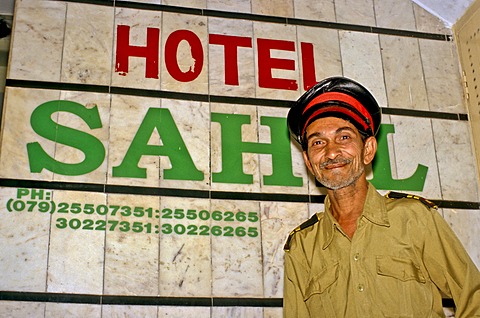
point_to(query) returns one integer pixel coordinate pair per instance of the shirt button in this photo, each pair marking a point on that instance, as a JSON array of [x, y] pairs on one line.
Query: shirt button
[[360, 288], [356, 257]]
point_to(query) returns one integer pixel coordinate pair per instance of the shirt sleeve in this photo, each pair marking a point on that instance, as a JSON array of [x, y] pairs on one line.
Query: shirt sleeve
[[293, 302], [450, 267]]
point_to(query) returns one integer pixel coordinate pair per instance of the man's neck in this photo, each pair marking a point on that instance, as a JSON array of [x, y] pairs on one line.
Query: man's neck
[[347, 205]]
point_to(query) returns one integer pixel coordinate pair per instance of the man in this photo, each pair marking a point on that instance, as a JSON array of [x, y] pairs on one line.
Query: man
[[366, 255]]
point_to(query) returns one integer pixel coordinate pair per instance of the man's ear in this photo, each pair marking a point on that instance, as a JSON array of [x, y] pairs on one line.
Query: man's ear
[[369, 150], [307, 161]]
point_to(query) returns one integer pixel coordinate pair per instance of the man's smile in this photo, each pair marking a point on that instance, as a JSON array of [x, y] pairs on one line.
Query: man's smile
[[335, 163]]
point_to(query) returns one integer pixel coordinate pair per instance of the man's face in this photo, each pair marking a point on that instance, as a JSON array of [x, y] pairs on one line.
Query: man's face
[[336, 154]]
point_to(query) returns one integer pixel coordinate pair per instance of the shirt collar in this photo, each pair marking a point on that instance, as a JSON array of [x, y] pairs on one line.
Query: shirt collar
[[374, 211]]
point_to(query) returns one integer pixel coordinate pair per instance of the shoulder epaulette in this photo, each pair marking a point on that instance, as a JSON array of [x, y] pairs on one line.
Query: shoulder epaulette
[[398, 195], [311, 221]]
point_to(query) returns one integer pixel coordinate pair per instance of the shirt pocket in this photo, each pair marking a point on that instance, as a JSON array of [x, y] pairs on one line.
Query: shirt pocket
[[318, 283], [402, 288], [403, 269]]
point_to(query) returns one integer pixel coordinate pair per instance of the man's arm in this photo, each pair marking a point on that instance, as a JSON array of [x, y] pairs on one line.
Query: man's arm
[[451, 268], [293, 304]]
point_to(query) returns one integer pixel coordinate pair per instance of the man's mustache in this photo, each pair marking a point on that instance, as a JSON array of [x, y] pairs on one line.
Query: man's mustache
[[335, 161]]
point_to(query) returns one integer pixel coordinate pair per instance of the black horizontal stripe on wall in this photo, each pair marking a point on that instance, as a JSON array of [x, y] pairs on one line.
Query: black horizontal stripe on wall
[[203, 194], [209, 98], [152, 300], [423, 113], [267, 19]]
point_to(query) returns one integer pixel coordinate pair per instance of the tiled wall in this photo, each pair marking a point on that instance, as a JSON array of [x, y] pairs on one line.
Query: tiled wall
[[84, 250]]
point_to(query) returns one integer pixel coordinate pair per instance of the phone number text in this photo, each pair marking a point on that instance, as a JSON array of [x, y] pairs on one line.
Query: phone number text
[[166, 228], [17, 205]]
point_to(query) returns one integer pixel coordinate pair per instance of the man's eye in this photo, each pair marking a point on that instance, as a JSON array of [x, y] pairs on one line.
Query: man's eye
[[317, 142]]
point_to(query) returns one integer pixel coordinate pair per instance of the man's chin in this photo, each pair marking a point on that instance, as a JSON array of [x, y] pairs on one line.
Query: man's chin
[[333, 185], [339, 183]]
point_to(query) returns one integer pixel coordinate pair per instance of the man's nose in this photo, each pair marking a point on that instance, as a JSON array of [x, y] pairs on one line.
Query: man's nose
[[332, 150]]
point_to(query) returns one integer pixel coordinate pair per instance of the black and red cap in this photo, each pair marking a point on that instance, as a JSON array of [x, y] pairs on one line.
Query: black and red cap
[[335, 97]]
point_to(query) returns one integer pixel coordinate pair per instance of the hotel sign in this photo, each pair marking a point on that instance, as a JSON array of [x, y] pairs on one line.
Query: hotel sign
[[273, 69]]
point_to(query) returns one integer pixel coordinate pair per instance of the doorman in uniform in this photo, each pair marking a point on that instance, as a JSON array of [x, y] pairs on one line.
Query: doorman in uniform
[[367, 255]]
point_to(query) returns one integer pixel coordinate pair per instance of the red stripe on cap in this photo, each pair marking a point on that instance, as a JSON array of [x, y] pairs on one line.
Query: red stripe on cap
[[337, 109], [342, 97]]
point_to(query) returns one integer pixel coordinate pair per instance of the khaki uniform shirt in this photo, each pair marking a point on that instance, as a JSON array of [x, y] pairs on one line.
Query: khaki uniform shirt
[[401, 259]]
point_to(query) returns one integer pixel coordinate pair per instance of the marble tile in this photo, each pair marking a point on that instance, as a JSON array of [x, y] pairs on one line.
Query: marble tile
[[122, 134], [24, 248], [427, 22], [294, 181], [355, 12], [395, 14], [237, 312], [65, 153], [87, 54], [279, 8], [236, 251], [131, 256], [272, 312], [185, 252], [465, 224], [326, 52], [361, 60], [47, 33], [183, 312], [456, 162], [199, 4], [189, 67], [250, 161], [276, 82], [192, 120], [21, 309], [240, 68], [413, 145], [278, 219], [76, 256], [403, 73], [128, 311], [230, 6], [442, 76], [315, 10], [74, 310], [17, 130], [313, 208], [138, 22]]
